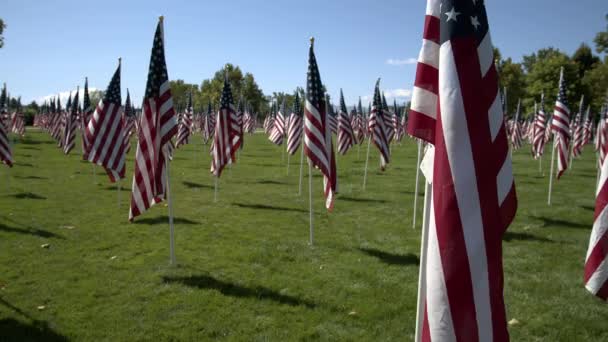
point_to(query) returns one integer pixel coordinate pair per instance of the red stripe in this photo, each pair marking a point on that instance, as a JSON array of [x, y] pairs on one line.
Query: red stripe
[[421, 126], [427, 78], [596, 257], [431, 28]]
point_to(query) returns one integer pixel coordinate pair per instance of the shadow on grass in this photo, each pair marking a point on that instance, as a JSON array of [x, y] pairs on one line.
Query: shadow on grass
[[30, 177], [391, 258], [14, 330], [587, 207], [164, 220], [192, 185], [24, 164], [28, 195], [269, 181], [263, 164], [361, 200], [36, 142], [268, 207], [549, 222], [30, 231], [514, 236], [235, 290], [30, 148]]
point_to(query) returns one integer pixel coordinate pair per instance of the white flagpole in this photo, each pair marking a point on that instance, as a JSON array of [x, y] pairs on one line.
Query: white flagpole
[[540, 164], [215, 192], [312, 232], [369, 142], [551, 175], [301, 167], [416, 187], [171, 230], [420, 306], [118, 186], [288, 161]]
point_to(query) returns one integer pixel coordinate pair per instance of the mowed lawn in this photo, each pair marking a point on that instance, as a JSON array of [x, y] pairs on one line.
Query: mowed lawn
[[245, 269]]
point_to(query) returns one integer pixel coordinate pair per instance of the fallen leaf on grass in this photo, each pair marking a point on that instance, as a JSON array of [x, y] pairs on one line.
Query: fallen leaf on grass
[[41, 307], [113, 257], [68, 227], [46, 245], [352, 313], [513, 322]]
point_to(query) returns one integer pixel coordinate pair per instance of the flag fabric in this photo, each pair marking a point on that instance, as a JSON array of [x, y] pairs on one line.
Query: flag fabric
[[560, 125], [317, 133], [6, 155], [185, 125], [222, 148], [71, 124], [600, 138], [294, 130], [587, 126], [538, 142], [158, 126], [596, 260], [389, 123], [278, 127], [361, 124], [238, 127], [85, 116], [346, 136], [577, 143], [473, 197], [331, 115], [516, 135], [378, 128], [105, 132], [129, 122]]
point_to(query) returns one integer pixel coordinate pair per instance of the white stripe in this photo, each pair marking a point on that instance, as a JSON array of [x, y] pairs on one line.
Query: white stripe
[[433, 8], [485, 50], [425, 102], [495, 116], [599, 277], [429, 53], [441, 325], [504, 180], [460, 155]]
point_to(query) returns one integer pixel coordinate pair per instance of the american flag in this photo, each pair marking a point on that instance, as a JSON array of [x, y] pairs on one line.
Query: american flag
[[294, 130], [278, 127], [560, 125], [129, 120], [248, 122], [239, 128], [158, 126], [5, 148], [378, 128], [577, 146], [538, 142], [105, 132], [331, 115], [71, 124], [269, 122], [57, 130], [185, 125], [587, 126], [389, 123], [222, 148], [473, 198], [317, 134], [596, 260], [600, 138], [346, 136], [361, 125], [85, 116], [397, 122], [516, 129]]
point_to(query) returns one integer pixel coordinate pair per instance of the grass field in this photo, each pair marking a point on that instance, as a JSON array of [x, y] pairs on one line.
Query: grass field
[[245, 270]]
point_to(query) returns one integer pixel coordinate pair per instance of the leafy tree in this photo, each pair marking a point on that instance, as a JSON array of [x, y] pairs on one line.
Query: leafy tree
[[2, 27], [180, 91], [601, 40], [585, 59], [512, 77], [596, 85]]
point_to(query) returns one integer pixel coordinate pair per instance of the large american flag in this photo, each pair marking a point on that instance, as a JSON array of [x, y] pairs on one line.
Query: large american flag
[[538, 141], [278, 127], [596, 261], [457, 107], [222, 148], [5, 148], [158, 125], [71, 124], [601, 143], [378, 128], [185, 125], [105, 132], [317, 133], [560, 125], [294, 130], [346, 136]]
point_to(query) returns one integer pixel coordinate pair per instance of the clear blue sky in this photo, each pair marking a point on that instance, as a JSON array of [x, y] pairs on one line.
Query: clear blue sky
[[51, 45]]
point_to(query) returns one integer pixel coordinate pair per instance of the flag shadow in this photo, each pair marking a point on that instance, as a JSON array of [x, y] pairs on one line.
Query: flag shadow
[[515, 236], [269, 181], [31, 177], [30, 231], [549, 222], [192, 185], [24, 164], [14, 330], [164, 220], [28, 195], [391, 258], [361, 200], [267, 207], [239, 291]]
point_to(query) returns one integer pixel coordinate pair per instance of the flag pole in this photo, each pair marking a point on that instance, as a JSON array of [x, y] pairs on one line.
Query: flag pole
[[416, 187], [369, 142], [310, 220], [118, 186], [171, 229], [215, 192], [288, 161], [301, 167], [420, 306], [551, 175]]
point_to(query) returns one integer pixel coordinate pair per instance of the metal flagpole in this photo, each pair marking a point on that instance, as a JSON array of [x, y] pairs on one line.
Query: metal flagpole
[[551, 175], [171, 229], [301, 167], [288, 161], [369, 142], [118, 186], [312, 232], [215, 192], [420, 307], [416, 187]]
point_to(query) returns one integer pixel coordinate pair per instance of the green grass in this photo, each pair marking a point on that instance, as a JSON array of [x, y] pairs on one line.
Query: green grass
[[245, 269]]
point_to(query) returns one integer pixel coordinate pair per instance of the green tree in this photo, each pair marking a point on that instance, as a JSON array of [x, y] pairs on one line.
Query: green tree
[[585, 59], [2, 27], [601, 40], [596, 85], [180, 91], [512, 77]]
